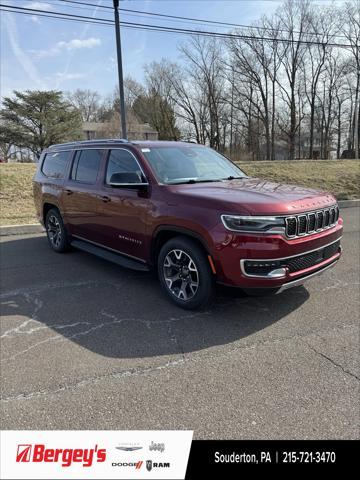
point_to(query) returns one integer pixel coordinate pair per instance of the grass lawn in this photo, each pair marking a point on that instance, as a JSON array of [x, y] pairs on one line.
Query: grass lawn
[[340, 177], [16, 195]]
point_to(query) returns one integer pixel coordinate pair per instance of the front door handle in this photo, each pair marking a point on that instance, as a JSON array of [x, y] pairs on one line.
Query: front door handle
[[105, 198], [68, 192]]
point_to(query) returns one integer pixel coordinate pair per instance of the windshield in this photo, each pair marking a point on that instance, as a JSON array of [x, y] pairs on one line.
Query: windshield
[[187, 164]]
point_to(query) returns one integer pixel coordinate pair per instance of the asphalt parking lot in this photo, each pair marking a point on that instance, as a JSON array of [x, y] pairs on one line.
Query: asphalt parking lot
[[86, 344]]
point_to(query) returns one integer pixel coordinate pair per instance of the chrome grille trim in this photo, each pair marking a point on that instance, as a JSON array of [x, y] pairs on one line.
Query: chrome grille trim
[[312, 222], [302, 225], [287, 226]]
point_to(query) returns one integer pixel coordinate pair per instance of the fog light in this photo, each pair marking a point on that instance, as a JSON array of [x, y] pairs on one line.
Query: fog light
[[266, 269], [278, 273]]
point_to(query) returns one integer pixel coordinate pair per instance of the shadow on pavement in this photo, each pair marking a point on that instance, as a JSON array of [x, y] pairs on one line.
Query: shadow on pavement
[[120, 313]]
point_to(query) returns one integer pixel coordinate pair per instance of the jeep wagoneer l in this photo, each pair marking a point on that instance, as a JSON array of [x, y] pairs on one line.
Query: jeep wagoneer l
[[186, 211]]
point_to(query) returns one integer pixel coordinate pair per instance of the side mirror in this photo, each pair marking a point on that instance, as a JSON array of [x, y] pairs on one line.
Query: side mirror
[[128, 179]]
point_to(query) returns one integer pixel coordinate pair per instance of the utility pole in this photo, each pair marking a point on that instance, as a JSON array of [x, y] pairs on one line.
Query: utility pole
[[120, 69]]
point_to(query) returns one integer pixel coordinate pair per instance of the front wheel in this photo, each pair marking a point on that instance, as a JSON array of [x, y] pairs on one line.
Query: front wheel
[[185, 273]]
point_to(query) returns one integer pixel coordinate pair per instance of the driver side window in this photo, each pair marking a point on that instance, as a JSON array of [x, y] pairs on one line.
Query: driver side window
[[122, 161]]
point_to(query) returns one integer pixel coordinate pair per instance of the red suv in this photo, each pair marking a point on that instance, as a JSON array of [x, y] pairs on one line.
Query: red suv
[[187, 211]]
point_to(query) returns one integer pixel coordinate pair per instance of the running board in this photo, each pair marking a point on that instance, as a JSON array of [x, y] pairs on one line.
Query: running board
[[110, 256]]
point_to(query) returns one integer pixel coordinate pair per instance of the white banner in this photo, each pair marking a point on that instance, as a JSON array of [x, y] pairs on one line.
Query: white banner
[[94, 454]]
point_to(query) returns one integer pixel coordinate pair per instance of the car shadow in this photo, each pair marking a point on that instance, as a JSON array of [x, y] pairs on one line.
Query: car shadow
[[120, 313]]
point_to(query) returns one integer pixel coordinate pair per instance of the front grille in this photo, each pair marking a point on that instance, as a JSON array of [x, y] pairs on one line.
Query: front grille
[[319, 220], [332, 216], [302, 223], [311, 224], [302, 262], [330, 250], [305, 224], [291, 225]]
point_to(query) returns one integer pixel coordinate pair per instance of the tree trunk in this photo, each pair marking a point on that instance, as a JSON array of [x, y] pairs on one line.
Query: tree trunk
[[338, 151], [292, 133], [312, 121], [273, 122]]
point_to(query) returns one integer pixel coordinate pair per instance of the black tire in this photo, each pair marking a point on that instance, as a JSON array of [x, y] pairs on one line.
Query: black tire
[[184, 272], [56, 232]]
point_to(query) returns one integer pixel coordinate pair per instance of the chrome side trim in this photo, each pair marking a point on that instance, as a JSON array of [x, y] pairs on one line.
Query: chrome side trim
[[301, 281], [243, 260], [108, 248], [127, 184]]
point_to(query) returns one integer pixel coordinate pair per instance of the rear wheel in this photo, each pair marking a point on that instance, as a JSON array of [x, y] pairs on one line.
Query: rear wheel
[[185, 273], [56, 232]]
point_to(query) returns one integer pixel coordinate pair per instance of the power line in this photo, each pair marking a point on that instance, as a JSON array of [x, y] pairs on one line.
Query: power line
[[162, 28], [191, 19], [53, 17]]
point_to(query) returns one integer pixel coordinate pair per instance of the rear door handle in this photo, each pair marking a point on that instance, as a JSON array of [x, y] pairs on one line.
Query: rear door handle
[[68, 192], [105, 198]]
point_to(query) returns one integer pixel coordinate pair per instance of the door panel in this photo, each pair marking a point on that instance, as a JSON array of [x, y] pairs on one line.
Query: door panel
[[122, 221], [81, 195], [123, 211]]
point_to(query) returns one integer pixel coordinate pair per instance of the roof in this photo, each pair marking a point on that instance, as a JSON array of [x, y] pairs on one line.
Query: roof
[[122, 141]]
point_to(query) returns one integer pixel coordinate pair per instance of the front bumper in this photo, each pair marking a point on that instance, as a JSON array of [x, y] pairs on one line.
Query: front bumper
[[235, 253], [302, 280]]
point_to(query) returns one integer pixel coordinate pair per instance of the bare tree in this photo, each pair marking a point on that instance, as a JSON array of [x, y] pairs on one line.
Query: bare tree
[[294, 21], [250, 61], [351, 29], [204, 56], [87, 102], [324, 25]]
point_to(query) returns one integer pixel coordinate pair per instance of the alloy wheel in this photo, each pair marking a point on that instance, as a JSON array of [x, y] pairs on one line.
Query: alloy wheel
[[180, 274], [54, 231]]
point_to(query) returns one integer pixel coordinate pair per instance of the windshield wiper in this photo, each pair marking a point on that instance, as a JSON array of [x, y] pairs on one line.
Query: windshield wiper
[[231, 178], [192, 180]]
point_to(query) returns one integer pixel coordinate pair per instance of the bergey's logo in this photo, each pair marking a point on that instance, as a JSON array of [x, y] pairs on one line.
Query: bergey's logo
[[23, 453], [39, 453]]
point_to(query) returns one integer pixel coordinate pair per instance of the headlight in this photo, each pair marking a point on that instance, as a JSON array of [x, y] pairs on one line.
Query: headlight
[[240, 223]]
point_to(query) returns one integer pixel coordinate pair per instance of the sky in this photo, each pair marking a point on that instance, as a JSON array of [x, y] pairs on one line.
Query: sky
[[43, 53]]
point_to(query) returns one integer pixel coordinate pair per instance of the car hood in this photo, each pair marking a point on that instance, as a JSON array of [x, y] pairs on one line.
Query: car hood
[[256, 196]]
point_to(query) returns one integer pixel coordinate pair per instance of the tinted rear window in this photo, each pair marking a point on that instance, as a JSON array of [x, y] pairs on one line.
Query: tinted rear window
[[54, 164], [86, 165]]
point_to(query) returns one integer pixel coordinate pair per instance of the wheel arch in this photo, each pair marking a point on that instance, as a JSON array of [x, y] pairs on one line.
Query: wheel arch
[[48, 206], [167, 232]]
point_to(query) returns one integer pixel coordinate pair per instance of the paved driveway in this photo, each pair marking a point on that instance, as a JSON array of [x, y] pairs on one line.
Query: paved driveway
[[88, 345]]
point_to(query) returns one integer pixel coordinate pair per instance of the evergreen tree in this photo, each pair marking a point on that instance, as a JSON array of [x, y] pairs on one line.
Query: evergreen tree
[[37, 119]]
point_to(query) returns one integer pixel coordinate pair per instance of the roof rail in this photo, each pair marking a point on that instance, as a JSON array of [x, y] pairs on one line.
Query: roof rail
[[90, 142]]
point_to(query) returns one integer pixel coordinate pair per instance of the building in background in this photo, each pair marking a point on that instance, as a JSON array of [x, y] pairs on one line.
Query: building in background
[[136, 131]]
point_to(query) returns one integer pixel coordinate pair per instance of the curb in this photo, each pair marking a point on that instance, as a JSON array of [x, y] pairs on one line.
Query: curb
[[349, 203], [21, 229], [37, 228]]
